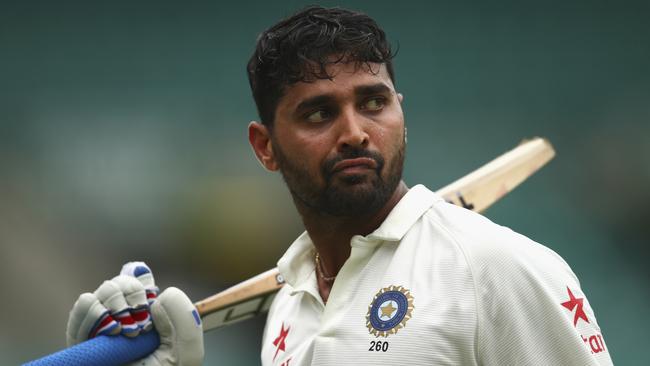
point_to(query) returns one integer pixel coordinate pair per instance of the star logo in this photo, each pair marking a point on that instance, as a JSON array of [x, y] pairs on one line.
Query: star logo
[[388, 310], [575, 303], [279, 342]]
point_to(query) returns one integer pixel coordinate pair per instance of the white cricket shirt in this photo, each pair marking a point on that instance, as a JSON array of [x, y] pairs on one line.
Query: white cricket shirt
[[435, 284]]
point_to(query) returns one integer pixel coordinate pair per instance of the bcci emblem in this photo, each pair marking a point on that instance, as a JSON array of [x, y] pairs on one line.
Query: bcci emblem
[[389, 311]]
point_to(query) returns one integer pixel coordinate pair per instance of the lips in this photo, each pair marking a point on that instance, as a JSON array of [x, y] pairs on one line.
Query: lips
[[354, 164]]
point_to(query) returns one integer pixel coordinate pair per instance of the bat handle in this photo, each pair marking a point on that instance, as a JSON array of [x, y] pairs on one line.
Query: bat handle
[[103, 351]]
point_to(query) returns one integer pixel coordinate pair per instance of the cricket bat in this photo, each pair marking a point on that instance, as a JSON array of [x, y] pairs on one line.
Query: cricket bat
[[475, 191]]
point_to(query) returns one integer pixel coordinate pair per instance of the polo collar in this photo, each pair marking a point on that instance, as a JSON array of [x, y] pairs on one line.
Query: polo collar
[[297, 263], [404, 215]]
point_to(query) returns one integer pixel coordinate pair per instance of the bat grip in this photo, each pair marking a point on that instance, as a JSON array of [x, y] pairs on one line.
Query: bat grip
[[103, 351]]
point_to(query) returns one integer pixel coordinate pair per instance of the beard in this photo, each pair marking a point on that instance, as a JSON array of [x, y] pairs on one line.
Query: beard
[[342, 196]]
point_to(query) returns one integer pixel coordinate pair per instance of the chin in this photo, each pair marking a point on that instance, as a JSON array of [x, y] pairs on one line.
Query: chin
[[355, 196], [355, 180]]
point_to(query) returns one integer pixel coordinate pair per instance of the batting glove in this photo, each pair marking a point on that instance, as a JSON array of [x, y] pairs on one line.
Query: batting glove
[[128, 304]]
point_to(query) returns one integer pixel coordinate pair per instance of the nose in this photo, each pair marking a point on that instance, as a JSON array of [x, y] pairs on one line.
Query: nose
[[352, 131]]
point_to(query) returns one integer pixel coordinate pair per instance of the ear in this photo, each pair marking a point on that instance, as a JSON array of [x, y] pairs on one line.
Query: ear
[[259, 137]]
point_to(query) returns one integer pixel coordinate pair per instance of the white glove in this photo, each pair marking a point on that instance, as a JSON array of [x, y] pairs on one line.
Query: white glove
[[127, 304]]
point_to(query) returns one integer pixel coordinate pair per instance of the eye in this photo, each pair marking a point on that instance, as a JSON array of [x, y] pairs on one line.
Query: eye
[[374, 104], [318, 116]]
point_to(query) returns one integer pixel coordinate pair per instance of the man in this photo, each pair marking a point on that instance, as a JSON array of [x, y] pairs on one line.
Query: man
[[383, 274]]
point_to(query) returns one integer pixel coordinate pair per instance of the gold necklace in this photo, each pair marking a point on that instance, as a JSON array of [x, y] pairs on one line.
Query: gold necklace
[[321, 272]]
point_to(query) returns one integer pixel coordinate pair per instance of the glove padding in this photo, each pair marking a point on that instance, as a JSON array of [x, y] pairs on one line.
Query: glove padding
[[127, 304]]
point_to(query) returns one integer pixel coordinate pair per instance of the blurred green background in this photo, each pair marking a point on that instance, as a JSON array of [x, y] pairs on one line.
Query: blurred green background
[[123, 136]]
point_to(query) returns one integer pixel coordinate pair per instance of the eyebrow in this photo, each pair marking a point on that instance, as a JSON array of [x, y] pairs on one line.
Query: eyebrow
[[362, 90], [315, 101], [378, 88]]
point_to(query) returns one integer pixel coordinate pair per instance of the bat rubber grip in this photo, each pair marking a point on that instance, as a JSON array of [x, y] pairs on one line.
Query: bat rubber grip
[[103, 351]]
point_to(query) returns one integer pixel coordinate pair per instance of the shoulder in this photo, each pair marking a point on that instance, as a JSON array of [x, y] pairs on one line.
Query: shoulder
[[509, 271], [281, 301], [494, 251], [524, 291], [274, 322]]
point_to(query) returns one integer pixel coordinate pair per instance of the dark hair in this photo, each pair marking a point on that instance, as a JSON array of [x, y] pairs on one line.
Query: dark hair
[[300, 47]]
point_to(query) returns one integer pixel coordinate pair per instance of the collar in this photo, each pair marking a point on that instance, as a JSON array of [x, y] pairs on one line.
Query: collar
[[297, 263]]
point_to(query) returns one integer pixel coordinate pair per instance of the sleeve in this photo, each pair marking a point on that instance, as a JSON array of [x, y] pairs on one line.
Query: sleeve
[[268, 350], [531, 309], [265, 349]]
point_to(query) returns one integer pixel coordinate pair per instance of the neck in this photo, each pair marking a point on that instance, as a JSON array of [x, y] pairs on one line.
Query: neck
[[331, 235]]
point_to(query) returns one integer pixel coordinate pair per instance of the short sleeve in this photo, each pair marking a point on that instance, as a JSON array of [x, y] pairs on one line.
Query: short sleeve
[[531, 309]]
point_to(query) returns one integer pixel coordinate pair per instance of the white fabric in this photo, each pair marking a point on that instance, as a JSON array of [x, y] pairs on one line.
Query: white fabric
[[110, 294], [481, 295], [132, 291], [83, 317], [135, 295], [181, 334], [147, 280]]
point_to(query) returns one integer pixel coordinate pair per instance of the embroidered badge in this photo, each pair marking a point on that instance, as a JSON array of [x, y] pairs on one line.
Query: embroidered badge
[[389, 311]]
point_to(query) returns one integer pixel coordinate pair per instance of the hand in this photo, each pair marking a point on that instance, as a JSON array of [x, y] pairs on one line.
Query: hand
[[127, 304]]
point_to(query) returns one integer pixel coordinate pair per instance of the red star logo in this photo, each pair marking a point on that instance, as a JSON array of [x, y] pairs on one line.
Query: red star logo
[[573, 303], [279, 342]]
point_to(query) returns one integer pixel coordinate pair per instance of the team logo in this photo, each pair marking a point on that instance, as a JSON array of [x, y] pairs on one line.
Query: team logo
[[389, 311], [593, 341], [577, 304], [279, 342]]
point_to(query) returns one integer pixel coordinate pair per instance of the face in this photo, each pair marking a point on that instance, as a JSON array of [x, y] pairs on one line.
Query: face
[[339, 143]]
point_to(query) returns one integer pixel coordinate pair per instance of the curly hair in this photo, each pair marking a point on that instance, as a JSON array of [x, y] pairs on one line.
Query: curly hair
[[300, 47]]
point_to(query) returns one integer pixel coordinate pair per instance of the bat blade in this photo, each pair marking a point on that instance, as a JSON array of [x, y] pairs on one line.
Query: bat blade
[[240, 302], [476, 191], [481, 188]]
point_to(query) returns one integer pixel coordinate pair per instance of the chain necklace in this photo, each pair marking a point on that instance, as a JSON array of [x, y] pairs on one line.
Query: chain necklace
[[321, 272]]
